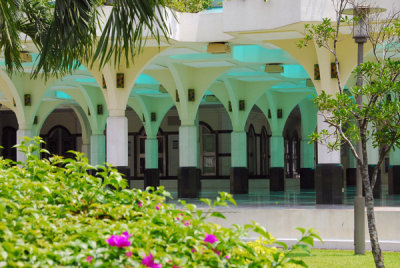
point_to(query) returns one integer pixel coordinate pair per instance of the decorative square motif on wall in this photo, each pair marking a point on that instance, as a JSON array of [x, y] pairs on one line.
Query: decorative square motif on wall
[[176, 96], [104, 81], [99, 109], [269, 113], [143, 119], [230, 106], [35, 120], [241, 105], [333, 70], [120, 80], [27, 100], [153, 117], [191, 94], [88, 110], [280, 113], [317, 75]]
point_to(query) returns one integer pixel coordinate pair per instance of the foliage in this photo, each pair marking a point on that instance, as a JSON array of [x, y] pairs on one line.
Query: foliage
[[53, 213], [190, 6], [346, 258], [379, 113], [368, 113], [64, 32], [27, 16]]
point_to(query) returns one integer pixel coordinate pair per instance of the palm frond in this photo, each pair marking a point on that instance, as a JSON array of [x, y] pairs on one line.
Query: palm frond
[[70, 37], [35, 20], [10, 43], [122, 35]]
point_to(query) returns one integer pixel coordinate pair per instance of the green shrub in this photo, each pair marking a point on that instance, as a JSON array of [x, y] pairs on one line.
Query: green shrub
[[53, 213], [190, 6]]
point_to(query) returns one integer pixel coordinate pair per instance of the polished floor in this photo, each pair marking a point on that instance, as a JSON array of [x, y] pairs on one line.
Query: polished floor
[[292, 197]]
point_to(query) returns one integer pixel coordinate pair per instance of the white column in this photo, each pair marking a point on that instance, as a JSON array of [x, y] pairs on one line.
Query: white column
[[151, 149], [307, 154], [188, 146], [394, 157], [117, 140], [325, 155], [20, 134], [239, 149], [85, 149], [97, 149], [373, 154], [277, 151]]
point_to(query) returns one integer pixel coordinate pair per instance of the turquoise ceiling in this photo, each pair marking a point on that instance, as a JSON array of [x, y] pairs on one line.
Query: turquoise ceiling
[[62, 95]]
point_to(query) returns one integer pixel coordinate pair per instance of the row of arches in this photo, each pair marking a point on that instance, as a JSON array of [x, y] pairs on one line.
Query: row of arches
[[214, 145]]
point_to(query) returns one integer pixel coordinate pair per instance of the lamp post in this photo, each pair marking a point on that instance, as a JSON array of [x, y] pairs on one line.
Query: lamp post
[[360, 35]]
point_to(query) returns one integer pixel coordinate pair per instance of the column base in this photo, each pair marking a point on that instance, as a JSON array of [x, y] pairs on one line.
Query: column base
[[276, 179], [151, 177], [378, 184], [307, 178], [126, 173], [394, 179], [351, 176], [189, 184], [329, 184], [239, 180]]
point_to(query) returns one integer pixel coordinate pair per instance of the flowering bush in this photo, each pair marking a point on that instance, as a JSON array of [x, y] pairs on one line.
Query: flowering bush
[[53, 213], [190, 6], [119, 241]]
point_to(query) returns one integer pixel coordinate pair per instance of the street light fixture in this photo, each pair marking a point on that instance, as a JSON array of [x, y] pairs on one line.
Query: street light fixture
[[360, 35]]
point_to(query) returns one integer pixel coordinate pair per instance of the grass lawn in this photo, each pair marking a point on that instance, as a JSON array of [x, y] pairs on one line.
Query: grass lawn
[[346, 258]]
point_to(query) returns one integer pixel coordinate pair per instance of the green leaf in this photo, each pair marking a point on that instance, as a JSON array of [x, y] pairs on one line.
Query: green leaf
[[217, 214]]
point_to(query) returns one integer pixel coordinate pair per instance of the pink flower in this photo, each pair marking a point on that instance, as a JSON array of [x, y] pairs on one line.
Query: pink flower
[[119, 241], [176, 266], [140, 204], [193, 250], [216, 252], [187, 223], [148, 261], [227, 257], [89, 258], [129, 254], [210, 238], [158, 206]]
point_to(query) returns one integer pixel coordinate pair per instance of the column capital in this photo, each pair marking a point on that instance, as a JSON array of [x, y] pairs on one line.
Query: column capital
[[117, 112]]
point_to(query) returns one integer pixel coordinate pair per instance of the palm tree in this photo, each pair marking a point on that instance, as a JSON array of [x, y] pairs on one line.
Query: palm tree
[[64, 31]]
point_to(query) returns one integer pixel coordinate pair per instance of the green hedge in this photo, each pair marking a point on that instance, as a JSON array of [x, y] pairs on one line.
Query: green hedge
[[189, 6], [53, 213]]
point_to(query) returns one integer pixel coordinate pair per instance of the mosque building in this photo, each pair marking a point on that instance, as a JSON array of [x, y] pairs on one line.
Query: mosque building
[[225, 103]]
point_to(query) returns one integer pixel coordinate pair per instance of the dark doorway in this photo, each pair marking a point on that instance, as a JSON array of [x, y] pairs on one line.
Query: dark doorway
[[8, 140], [59, 141], [264, 153], [251, 151]]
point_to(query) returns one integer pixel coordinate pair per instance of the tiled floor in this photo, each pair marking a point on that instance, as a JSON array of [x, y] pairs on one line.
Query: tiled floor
[[294, 198]]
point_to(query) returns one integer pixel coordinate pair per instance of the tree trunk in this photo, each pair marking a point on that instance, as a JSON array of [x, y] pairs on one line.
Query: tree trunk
[[373, 234]]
